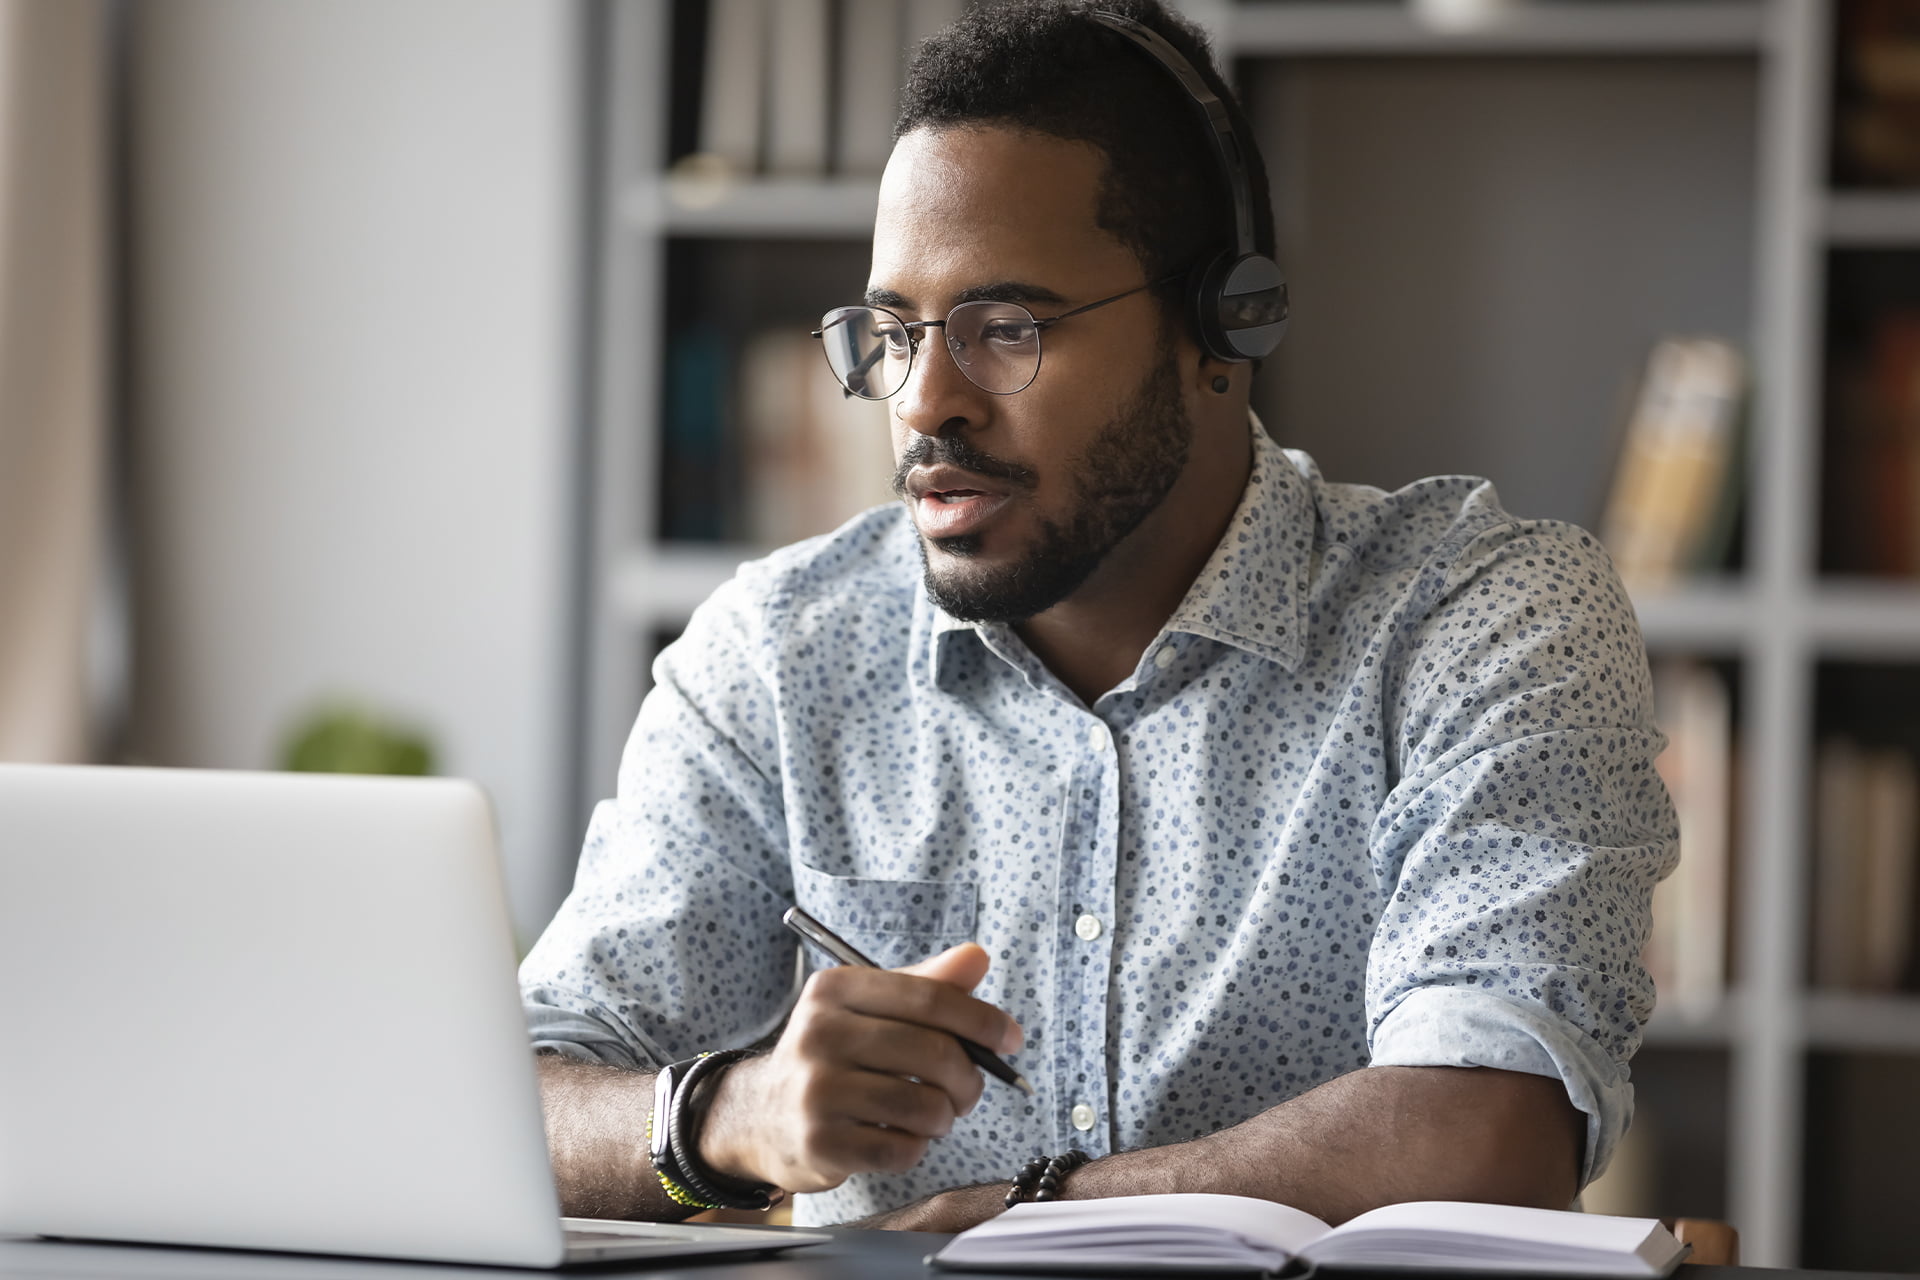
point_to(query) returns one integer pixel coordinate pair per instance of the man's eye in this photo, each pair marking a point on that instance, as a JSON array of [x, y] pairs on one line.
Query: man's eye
[[1007, 333], [893, 336]]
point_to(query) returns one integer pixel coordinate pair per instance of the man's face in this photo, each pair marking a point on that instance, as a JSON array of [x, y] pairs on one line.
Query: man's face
[[1019, 498]]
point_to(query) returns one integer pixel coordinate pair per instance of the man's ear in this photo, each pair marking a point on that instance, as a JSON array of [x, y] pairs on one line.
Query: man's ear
[[1214, 378]]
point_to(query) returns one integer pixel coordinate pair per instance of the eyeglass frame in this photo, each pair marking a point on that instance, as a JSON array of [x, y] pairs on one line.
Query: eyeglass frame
[[916, 333]]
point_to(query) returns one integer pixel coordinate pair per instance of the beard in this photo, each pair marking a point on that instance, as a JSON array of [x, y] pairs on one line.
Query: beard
[[1122, 476]]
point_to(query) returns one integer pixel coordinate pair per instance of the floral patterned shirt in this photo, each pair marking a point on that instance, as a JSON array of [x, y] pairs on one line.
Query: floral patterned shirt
[[1381, 792]]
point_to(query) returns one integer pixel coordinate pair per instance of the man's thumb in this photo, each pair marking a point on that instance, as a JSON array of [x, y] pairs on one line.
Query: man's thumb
[[962, 966]]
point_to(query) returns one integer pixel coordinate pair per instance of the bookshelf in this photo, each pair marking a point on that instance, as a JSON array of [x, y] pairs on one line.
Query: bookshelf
[[787, 208], [1707, 616], [1872, 220], [1584, 30], [1736, 195]]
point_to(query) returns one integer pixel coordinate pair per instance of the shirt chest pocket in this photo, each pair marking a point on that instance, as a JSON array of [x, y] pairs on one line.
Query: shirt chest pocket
[[894, 922]]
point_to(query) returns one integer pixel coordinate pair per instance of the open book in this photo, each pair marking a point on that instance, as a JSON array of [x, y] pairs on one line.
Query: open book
[[1239, 1233]]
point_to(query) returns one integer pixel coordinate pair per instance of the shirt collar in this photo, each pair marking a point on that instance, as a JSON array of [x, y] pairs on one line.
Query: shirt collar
[[1252, 593]]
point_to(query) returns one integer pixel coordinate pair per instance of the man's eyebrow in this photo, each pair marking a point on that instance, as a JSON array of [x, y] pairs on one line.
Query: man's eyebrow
[[999, 291], [1008, 291]]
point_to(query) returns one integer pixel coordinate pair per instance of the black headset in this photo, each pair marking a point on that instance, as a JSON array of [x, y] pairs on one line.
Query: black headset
[[1239, 295]]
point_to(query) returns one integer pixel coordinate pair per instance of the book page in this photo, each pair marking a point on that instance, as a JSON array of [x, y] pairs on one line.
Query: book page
[[1186, 1232], [1272, 1224], [1439, 1234]]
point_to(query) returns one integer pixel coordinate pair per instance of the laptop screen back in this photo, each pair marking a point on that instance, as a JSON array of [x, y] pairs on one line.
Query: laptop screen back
[[267, 1011]]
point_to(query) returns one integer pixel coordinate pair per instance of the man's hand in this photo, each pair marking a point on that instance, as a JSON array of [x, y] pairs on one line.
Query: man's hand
[[866, 1074]]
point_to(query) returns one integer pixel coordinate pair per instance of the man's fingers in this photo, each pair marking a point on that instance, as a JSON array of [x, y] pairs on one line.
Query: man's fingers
[[828, 1146], [920, 1110], [868, 1072], [962, 966], [903, 1049], [906, 997], [862, 1147]]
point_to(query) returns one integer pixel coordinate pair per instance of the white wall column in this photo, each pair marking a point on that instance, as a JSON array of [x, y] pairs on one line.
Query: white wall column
[[354, 245]]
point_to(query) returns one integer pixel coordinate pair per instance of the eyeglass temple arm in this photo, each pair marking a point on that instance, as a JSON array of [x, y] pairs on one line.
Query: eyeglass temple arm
[[1094, 306]]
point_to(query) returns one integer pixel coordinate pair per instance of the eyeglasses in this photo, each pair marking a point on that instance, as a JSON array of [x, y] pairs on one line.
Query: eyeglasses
[[996, 344]]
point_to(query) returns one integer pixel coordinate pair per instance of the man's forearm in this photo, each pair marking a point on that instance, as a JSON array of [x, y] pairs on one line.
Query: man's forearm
[[1377, 1136], [597, 1135]]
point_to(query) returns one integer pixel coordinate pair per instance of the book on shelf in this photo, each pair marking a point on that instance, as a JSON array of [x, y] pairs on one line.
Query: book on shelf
[[804, 88], [1630, 1184], [1876, 119], [1896, 468], [1687, 950], [812, 455], [734, 85], [868, 76], [695, 496], [1676, 487], [1892, 805], [1871, 481], [1837, 898], [1186, 1232], [1867, 833], [798, 80]]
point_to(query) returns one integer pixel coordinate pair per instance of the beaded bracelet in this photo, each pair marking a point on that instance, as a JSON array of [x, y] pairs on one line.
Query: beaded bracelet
[[1040, 1179], [675, 1192]]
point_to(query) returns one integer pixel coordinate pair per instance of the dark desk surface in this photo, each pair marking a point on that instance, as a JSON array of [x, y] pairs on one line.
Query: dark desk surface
[[853, 1255]]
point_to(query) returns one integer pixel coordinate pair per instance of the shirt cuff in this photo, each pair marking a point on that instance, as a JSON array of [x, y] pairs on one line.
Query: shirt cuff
[[566, 1029], [1467, 1027]]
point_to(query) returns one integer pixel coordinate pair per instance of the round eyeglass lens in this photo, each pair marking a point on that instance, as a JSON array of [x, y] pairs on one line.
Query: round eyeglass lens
[[996, 344], [868, 350]]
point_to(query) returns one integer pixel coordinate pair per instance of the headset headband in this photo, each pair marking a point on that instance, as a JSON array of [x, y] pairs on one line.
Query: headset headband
[[1239, 298], [1225, 141]]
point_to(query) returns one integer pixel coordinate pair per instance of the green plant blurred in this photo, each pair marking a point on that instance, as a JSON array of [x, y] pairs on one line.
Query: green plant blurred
[[350, 739]]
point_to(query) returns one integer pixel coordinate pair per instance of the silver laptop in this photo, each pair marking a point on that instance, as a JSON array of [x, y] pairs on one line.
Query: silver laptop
[[274, 1011]]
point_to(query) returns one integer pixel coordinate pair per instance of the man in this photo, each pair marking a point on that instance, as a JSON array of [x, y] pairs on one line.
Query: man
[[1296, 838]]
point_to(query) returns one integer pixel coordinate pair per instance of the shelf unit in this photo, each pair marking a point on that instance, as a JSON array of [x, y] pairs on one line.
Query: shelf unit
[[1584, 30], [1777, 618], [831, 209], [1872, 220]]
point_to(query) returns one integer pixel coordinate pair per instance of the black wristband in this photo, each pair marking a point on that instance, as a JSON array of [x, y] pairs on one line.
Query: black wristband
[[683, 1139]]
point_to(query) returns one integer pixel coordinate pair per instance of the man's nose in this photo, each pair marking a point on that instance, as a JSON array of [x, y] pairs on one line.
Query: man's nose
[[936, 394]]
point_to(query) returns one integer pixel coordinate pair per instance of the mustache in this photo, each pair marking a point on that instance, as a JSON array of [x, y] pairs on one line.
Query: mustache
[[953, 450]]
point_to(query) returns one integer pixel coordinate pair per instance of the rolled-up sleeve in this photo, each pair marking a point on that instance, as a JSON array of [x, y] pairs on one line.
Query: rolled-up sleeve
[[1519, 850], [670, 942]]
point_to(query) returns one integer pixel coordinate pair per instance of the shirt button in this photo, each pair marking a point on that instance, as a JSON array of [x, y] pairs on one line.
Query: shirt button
[[1088, 927], [1082, 1116], [1164, 658], [1098, 737]]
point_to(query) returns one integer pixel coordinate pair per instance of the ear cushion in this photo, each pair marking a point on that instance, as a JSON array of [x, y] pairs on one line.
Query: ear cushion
[[1240, 306]]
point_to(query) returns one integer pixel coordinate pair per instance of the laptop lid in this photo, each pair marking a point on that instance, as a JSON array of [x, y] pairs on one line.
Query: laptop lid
[[264, 1011]]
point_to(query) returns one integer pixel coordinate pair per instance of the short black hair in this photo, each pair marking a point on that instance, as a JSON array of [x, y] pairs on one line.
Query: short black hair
[[1045, 66]]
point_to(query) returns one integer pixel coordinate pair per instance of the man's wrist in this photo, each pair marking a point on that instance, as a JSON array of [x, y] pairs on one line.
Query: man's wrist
[[727, 1142], [955, 1209]]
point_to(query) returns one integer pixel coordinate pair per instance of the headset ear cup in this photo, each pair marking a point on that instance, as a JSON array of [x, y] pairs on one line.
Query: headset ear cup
[[1203, 297], [1240, 306]]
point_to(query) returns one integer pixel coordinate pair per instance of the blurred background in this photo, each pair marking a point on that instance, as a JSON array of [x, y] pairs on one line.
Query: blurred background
[[382, 382]]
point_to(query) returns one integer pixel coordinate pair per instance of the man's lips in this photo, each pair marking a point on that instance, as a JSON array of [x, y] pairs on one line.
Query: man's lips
[[948, 502]]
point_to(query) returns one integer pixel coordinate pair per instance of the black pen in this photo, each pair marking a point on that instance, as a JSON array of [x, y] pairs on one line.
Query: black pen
[[843, 951]]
